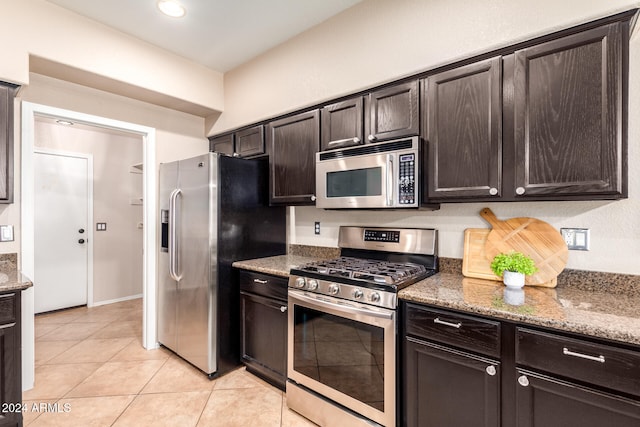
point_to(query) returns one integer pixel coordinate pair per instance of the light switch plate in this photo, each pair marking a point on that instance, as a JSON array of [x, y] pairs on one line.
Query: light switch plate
[[6, 233]]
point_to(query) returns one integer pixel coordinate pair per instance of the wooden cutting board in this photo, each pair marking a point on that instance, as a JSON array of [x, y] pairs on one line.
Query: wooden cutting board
[[475, 263], [538, 239]]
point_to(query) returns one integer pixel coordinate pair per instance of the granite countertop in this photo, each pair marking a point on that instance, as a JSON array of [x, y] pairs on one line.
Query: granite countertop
[[296, 256], [277, 265], [595, 312], [10, 277]]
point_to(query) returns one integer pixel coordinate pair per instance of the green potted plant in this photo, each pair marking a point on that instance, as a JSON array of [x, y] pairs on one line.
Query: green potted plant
[[513, 266]]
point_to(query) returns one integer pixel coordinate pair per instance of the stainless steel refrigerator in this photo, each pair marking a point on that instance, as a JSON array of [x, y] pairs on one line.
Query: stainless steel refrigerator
[[214, 210]]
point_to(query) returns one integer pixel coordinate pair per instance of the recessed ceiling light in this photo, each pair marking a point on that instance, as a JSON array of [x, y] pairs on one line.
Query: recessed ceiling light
[[171, 8], [64, 122]]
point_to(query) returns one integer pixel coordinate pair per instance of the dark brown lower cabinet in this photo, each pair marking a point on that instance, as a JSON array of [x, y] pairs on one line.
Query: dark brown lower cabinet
[[544, 401], [10, 364], [264, 326], [455, 376], [446, 387]]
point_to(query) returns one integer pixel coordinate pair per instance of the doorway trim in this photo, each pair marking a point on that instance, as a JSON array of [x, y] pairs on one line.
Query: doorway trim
[[150, 190], [89, 159]]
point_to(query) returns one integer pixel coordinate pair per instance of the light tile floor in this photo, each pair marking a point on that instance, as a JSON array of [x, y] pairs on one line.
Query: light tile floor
[[91, 370]]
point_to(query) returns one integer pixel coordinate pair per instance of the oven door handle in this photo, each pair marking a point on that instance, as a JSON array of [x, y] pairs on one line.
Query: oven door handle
[[320, 304]]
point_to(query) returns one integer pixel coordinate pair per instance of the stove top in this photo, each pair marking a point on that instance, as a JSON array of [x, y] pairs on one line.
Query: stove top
[[374, 265], [366, 270]]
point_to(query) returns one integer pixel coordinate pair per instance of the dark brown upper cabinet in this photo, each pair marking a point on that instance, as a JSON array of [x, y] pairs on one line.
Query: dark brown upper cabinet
[[392, 112], [250, 142], [293, 144], [463, 130], [342, 124], [243, 143], [222, 144], [567, 119], [7, 94]]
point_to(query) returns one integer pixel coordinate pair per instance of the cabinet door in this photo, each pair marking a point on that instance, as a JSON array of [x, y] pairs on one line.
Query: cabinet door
[[393, 112], [464, 131], [7, 94], [294, 142], [342, 124], [548, 402], [250, 142], [222, 144], [448, 388], [569, 112], [10, 364], [264, 337]]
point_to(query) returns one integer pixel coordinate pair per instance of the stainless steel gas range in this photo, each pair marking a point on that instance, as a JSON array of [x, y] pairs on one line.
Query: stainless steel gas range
[[343, 328]]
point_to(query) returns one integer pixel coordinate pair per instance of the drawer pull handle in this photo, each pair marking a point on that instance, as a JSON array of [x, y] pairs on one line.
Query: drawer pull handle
[[444, 322], [491, 370], [262, 282], [568, 352]]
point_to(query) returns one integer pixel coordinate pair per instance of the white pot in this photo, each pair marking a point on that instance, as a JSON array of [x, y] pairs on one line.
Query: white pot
[[513, 279]]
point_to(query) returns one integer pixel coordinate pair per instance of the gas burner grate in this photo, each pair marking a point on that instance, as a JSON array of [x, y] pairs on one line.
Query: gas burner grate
[[390, 273]]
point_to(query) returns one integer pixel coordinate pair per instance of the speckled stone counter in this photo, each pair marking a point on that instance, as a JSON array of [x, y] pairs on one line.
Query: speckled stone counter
[[595, 312], [276, 265], [281, 264], [10, 278]]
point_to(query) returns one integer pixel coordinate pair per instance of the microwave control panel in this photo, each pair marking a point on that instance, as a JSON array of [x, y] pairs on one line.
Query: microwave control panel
[[407, 179]]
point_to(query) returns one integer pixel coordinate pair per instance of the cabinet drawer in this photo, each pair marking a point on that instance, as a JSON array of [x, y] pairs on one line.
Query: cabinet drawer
[[263, 284], [7, 308], [467, 332], [599, 364]]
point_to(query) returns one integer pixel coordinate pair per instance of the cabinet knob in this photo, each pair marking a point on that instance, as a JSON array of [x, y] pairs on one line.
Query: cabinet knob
[[491, 370], [81, 231], [313, 198], [81, 241], [493, 191], [523, 381], [520, 191], [236, 155], [372, 138], [356, 140], [283, 308]]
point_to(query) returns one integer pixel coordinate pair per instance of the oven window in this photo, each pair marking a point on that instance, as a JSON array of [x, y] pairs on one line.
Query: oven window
[[357, 182], [343, 354]]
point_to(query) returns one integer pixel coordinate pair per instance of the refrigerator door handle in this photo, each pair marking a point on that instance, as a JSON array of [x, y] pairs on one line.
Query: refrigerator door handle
[[173, 238]]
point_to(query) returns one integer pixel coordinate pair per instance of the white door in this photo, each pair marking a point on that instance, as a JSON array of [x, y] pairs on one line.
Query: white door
[[61, 230]]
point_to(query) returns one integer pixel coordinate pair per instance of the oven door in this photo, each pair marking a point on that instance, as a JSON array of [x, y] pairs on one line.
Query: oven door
[[344, 351]]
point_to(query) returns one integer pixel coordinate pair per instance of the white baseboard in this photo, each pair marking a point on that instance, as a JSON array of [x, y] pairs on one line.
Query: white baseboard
[[112, 301]]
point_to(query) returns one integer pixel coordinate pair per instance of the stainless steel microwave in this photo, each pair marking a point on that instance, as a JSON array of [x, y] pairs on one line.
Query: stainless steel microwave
[[371, 176]]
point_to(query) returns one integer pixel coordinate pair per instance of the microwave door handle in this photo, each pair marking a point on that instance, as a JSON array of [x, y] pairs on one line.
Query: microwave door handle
[[389, 180]]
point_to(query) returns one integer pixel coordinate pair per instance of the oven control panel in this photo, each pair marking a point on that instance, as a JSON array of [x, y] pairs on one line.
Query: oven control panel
[[407, 180], [344, 291], [381, 236]]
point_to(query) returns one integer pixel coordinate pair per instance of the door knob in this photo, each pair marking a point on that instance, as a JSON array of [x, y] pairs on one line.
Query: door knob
[[81, 241], [81, 231]]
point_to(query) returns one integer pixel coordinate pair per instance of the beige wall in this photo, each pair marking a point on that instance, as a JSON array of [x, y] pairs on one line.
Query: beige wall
[[117, 252], [52, 36], [178, 135], [380, 40]]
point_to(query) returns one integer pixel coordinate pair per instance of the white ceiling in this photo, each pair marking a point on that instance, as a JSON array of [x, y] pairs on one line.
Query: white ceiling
[[220, 34]]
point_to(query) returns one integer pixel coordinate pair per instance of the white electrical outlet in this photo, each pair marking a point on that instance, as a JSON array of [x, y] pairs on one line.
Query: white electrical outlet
[[577, 239]]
